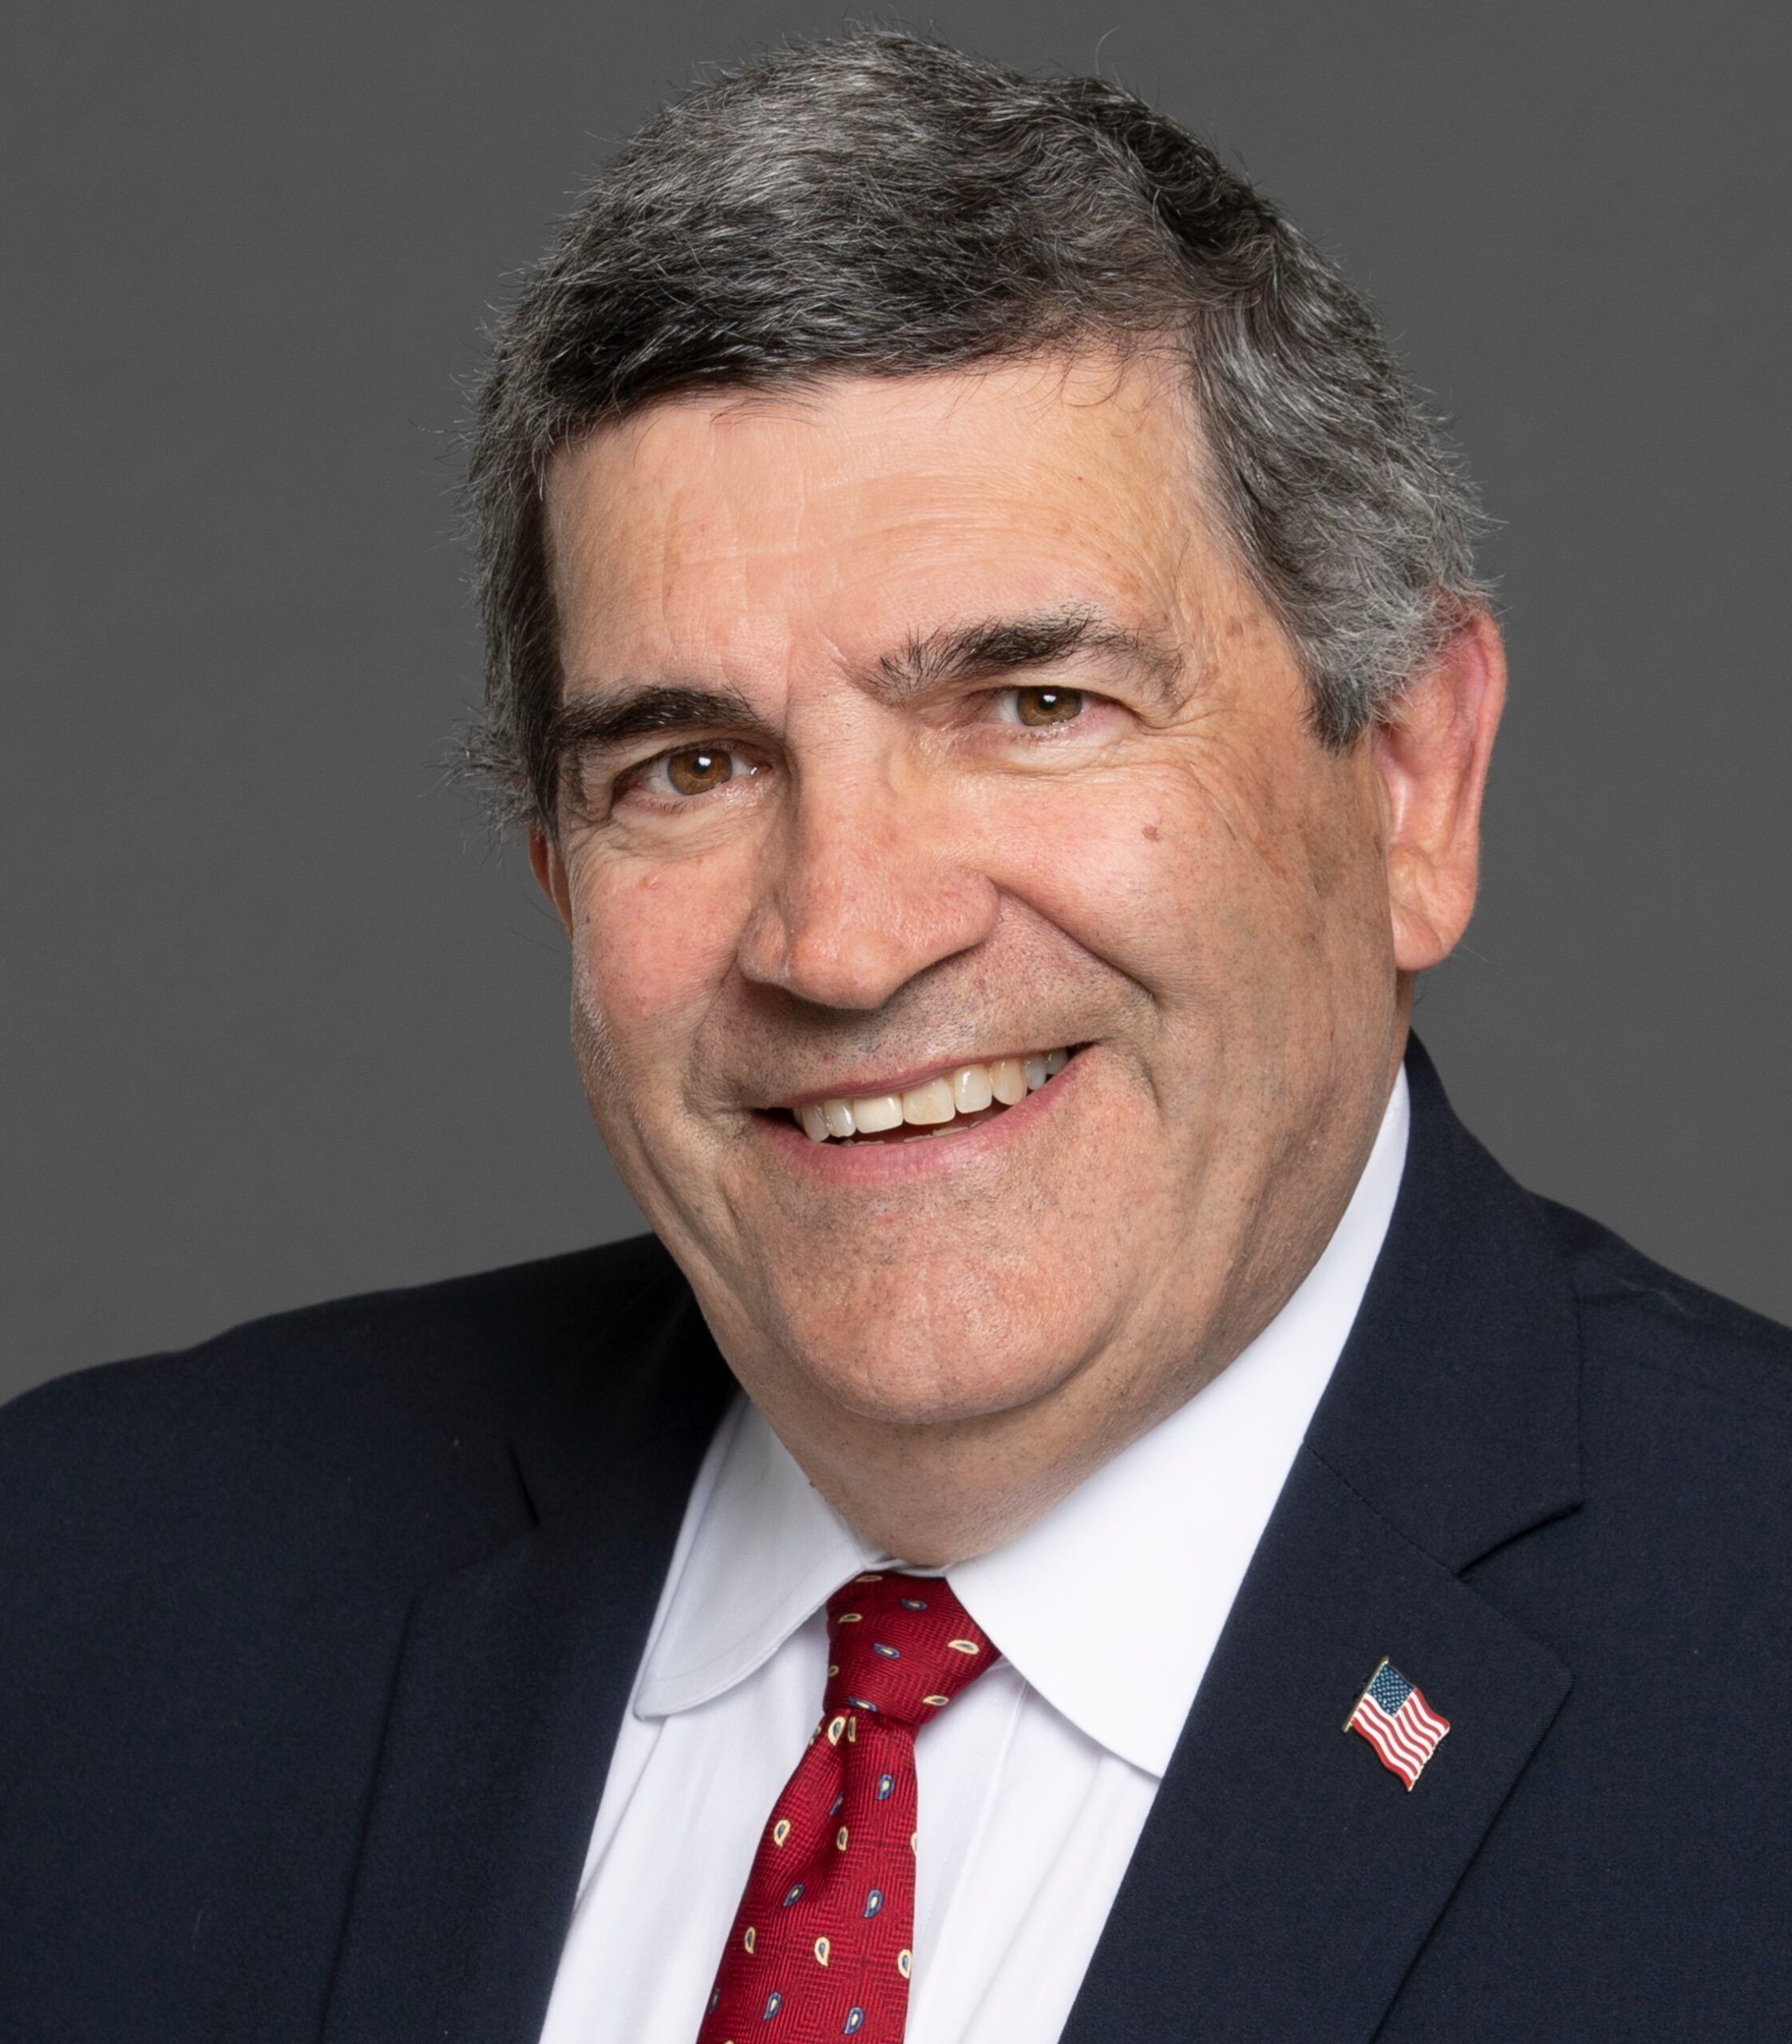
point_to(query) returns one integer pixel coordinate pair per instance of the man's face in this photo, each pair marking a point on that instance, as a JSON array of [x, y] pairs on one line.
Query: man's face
[[1007, 759]]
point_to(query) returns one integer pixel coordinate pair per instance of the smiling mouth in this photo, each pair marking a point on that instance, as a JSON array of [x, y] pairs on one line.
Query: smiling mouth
[[954, 1100]]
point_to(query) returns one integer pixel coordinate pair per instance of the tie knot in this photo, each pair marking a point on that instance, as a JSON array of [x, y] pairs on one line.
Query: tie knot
[[901, 1647]]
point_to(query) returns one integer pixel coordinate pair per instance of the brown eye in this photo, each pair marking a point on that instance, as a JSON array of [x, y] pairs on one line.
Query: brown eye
[[697, 769], [1047, 706]]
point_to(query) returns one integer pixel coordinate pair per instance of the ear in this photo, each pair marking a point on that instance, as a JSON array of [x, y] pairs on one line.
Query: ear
[[549, 869], [1431, 755]]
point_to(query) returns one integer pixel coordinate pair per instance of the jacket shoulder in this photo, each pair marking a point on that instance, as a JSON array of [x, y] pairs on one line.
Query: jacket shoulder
[[473, 1342], [410, 1392], [1637, 1313]]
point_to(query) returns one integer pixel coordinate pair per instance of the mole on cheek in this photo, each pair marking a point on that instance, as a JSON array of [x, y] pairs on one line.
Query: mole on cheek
[[1152, 832]]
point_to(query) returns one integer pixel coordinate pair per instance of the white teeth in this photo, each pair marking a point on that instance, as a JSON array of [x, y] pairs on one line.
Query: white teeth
[[1007, 1082], [881, 1111], [968, 1089], [926, 1105]]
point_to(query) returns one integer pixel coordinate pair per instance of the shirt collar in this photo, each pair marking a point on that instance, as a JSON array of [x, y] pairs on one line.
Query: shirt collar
[[768, 1551], [1110, 1606]]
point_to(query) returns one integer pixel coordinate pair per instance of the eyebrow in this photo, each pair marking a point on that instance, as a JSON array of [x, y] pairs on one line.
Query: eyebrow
[[600, 719], [1001, 645]]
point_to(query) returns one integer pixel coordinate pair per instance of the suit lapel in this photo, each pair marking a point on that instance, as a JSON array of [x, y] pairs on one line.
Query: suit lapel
[[512, 1682], [1285, 1881]]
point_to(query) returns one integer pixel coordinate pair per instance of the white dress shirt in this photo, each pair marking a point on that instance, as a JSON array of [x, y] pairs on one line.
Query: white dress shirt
[[1034, 1786]]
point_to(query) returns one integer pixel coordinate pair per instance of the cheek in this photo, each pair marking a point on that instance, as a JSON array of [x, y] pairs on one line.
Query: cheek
[[1131, 865], [1223, 892], [649, 950]]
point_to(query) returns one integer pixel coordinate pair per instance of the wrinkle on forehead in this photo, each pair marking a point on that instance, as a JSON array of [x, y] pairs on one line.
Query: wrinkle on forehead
[[866, 511]]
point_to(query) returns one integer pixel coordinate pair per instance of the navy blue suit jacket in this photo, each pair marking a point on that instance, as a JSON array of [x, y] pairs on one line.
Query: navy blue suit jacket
[[314, 1642]]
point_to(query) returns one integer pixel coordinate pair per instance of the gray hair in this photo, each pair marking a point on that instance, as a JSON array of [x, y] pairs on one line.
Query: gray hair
[[882, 204]]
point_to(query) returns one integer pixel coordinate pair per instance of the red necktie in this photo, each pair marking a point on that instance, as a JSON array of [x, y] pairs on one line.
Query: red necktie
[[820, 1946]]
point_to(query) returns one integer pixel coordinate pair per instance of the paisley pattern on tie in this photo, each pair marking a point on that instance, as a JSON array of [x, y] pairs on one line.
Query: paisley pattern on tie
[[820, 1945]]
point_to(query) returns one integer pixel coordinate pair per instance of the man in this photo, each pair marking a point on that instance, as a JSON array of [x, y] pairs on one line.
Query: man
[[1103, 1512]]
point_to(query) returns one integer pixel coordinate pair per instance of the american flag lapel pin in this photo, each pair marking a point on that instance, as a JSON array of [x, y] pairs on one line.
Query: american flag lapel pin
[[1392, 1714]]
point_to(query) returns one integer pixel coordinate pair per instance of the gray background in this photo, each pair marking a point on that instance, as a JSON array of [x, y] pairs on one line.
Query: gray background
[[278, 1024]]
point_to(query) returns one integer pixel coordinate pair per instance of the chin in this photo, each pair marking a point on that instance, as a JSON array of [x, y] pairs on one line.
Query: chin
[[929, 1369]]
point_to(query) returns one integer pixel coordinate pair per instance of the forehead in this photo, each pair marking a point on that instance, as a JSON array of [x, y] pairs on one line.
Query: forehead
[[734, 526]]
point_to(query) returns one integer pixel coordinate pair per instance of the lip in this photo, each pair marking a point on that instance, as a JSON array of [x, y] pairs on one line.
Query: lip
[[865, 1164], [865, 1089]]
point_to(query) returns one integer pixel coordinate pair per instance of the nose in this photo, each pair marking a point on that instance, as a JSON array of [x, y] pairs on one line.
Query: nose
[[869, 884]]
